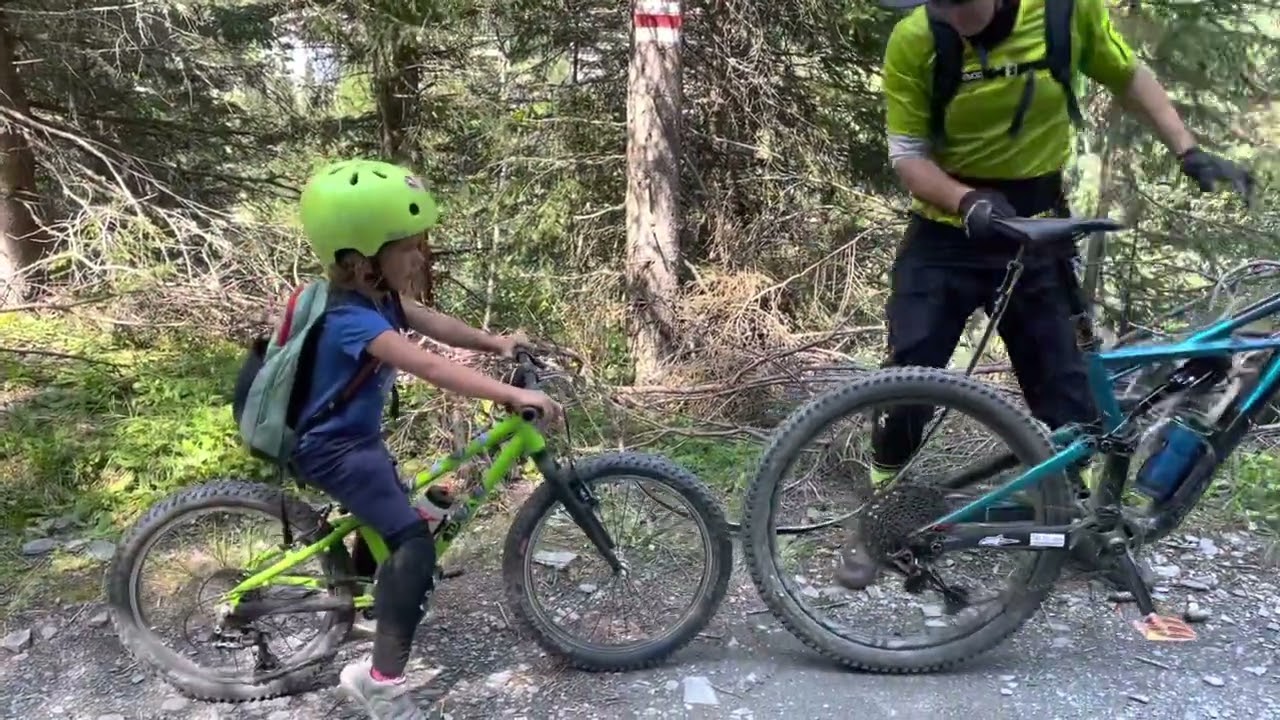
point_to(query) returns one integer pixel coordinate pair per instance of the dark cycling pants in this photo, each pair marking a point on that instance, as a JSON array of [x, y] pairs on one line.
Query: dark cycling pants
[[930, 302]]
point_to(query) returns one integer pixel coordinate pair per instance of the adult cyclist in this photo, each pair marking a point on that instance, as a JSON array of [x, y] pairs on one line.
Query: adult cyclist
[[997, 150]]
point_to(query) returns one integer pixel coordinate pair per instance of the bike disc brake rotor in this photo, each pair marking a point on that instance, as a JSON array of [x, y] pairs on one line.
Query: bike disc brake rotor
[[889, 521]]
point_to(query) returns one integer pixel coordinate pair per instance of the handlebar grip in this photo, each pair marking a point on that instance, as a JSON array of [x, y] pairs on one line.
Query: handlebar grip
[[524, 356], [530, 414]]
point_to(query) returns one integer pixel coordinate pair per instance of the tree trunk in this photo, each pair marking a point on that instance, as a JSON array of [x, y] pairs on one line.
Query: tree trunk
[[653, 184], [396, 87], [22, 238]]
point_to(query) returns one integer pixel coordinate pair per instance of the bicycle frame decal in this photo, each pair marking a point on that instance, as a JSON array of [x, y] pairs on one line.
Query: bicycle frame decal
[[513, 437]]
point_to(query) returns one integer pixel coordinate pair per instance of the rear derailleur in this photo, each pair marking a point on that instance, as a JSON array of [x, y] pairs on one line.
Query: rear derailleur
[[230, 633], [919, 577]]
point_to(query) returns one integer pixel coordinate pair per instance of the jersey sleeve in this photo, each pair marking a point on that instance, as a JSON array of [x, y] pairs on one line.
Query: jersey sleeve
[[1105, 57], [905, 79], [354, 327]]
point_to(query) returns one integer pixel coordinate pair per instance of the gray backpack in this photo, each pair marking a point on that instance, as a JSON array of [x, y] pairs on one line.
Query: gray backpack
[[275, 380]]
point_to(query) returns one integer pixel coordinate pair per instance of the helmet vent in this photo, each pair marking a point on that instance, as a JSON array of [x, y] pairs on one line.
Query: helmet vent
[[413, 208], [379, 174], [355, 178]]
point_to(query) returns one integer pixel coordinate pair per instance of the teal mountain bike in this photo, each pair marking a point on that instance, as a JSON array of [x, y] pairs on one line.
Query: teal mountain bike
[[250, 591], [1198, 399]]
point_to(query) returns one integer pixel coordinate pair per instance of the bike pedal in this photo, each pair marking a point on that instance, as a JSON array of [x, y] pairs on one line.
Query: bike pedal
[[1162, 628]]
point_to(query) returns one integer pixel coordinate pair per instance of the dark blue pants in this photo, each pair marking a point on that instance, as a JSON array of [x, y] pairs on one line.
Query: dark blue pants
[[360, 475]]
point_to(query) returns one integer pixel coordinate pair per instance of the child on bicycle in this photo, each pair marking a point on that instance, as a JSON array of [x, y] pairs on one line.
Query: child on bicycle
[[367, 221]]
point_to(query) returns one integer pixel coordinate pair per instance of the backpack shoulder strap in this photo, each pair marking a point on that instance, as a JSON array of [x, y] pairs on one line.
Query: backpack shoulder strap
[[1058, 31], [948, 56]]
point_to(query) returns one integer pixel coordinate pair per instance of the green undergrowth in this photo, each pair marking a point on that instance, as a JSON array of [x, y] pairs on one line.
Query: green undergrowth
[[102, 420]]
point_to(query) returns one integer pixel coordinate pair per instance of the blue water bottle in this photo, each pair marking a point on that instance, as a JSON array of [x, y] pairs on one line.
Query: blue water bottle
[[1165, 470]]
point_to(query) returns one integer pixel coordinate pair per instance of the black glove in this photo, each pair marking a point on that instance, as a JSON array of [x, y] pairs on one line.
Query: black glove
[[979, 207], [1208, 170]]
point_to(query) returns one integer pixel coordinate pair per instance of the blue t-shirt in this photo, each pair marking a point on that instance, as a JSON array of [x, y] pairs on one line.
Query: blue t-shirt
[[351, 322]]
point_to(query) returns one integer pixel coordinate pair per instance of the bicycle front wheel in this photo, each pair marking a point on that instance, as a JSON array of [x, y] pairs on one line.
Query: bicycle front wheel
[[672, 538]]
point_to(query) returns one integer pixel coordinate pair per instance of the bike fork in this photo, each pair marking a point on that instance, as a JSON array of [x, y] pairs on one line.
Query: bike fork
[[577, 501]]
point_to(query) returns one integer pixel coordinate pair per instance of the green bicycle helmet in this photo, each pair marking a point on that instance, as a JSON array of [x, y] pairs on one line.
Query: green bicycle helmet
[[362, 205]]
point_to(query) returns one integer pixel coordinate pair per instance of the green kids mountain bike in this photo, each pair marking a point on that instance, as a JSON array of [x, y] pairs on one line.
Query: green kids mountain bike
[[253, 589]]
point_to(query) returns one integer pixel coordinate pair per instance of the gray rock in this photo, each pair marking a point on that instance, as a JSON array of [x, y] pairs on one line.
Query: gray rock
[[1006, 691], [1258, 670], [1139, 698], [47, 631], [698, 691], [498, 680], [1196, 614], [1213, 680], [99, 619], [279, 715], [932, 611], [173, 704], [1208, 548], [1167, 571], [39, 547], [111, 716], [1195, 584], [558, 559], [101, 550], [672, 685], [16, 641], [75, 545]]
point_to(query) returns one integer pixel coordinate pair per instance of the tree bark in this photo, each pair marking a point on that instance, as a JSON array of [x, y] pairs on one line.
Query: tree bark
[[396, 87], [22, 238], [653, 184]]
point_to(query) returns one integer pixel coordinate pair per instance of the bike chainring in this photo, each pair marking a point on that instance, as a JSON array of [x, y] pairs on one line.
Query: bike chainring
[[889, 523]]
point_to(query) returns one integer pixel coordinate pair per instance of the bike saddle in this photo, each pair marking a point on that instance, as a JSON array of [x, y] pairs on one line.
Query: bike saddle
[[1042, 231]]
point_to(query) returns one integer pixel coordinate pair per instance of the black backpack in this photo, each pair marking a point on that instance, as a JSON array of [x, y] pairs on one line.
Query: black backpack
[[949, 54]]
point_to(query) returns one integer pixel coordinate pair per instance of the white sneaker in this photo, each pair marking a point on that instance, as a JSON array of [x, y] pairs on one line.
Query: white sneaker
[[381, 700]]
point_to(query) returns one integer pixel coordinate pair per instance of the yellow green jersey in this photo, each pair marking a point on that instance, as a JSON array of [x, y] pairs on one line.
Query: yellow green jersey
[[978, 143]]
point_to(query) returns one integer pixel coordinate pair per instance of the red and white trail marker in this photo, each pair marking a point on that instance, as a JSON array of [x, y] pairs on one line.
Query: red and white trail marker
[[657, 21]]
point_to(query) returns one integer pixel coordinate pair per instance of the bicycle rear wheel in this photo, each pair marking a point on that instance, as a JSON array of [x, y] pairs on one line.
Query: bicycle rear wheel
[[704, 558], [139, 630], [909, 385]]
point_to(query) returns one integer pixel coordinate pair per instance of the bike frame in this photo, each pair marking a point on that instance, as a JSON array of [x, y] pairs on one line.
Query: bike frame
[[515, 439], [1079, 445]]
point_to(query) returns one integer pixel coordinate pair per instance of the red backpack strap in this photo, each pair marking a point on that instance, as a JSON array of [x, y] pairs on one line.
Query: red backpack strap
[[286, 324]]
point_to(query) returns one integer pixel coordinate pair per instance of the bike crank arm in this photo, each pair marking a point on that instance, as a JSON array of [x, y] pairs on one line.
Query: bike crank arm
[[579, 509]]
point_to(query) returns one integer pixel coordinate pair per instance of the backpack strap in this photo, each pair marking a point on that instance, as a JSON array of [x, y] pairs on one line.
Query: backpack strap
[[948, 73], [948, 56], [1058, 31]]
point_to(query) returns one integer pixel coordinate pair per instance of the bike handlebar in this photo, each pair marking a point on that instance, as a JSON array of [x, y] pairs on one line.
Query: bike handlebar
[[526, 376]]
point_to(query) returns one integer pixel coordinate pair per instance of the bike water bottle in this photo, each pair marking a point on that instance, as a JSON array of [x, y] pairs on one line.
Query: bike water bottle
[[1165, 470], [434, 506]]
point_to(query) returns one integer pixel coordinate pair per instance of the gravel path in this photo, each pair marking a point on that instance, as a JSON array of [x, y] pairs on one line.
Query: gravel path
[[1078, 659]]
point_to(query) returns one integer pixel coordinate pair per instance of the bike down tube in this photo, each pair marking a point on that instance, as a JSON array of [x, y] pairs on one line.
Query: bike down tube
[[515, 438]]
